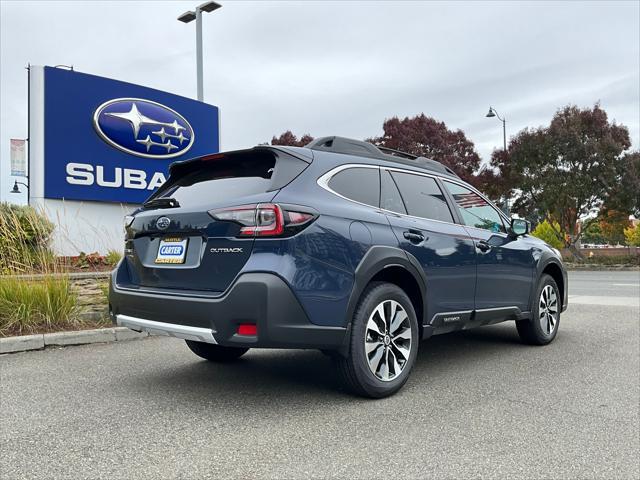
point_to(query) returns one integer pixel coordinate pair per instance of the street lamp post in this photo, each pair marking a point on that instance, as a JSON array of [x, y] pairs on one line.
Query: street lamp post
[[494, 113], [188, 17], [16, 188]]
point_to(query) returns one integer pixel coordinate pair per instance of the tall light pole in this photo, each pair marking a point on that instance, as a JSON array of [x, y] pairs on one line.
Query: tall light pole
[[494, 113], [189, 16]]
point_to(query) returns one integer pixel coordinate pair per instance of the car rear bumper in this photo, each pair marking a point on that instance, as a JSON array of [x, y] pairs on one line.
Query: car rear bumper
[[185, 332], [262, 299]]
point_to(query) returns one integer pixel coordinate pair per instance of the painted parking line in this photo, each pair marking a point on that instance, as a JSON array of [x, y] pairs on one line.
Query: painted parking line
[[601, 300]]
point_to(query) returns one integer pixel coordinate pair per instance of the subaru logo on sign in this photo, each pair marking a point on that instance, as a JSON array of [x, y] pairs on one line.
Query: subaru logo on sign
[[163, 223], [144, 128]]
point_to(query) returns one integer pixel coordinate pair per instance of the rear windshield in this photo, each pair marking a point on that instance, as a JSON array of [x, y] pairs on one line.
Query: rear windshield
[[236, 175]]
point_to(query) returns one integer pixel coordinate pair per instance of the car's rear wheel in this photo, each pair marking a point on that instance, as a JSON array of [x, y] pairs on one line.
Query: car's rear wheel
[[542, 328], [215, 353], [384, 342]]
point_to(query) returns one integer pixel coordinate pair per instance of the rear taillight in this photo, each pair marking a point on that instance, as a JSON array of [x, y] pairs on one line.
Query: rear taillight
[[264, 219]]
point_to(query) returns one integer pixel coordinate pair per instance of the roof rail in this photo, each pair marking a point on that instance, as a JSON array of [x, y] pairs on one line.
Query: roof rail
[[365, 149], [396, 153], [345, 145]]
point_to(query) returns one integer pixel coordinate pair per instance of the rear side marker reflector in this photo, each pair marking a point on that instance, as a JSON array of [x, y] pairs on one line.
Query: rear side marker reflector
[[250, 329]]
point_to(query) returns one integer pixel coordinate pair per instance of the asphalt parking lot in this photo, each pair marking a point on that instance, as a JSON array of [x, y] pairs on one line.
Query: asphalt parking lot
[[479, 404]]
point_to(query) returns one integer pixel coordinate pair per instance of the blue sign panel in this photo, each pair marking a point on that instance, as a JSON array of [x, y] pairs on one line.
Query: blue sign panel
[[113, 141]]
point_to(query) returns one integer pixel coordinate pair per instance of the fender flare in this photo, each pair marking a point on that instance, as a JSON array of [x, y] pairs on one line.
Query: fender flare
[[546, 259], [374, 261]]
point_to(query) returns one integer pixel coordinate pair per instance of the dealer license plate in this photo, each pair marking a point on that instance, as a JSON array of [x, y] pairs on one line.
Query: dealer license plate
[[172, 250]]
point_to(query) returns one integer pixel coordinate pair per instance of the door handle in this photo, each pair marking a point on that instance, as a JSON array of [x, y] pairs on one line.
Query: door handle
[[483, 246], [414, 236]]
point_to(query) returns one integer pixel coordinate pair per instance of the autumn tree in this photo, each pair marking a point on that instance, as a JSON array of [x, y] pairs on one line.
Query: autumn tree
[[289, 139], [496, 180], [612, 224], [426, 137], [567, 170]]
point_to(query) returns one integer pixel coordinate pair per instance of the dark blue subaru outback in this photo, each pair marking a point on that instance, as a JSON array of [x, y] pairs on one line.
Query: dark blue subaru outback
[[358, 251]]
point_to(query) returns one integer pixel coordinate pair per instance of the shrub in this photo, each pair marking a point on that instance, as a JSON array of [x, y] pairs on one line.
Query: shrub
[[112, 257], [27, 305], [544, 231], [632, 235], [25, 237]]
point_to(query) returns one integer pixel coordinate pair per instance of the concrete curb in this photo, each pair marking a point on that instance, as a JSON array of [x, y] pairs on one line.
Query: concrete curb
[[80, 337]]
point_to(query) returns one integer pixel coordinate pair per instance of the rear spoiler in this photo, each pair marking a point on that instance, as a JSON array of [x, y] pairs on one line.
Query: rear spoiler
[[303, 154], [183, 166]]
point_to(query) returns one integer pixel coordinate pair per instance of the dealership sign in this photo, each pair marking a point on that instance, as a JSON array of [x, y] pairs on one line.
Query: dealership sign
[[111, 141]]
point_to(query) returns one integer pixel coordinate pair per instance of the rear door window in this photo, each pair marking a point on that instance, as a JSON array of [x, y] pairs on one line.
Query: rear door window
[[390, 198], [422, 197], [358, 184], [475, 210]]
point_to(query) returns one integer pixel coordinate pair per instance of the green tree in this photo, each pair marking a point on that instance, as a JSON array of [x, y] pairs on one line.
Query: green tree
[[624, 195], [593, 235], [632, 235], [549, 232], [565, 171]]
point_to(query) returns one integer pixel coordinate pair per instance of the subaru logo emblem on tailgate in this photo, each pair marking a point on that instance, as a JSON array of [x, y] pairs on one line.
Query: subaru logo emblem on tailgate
[[143, 128], [163, 223]]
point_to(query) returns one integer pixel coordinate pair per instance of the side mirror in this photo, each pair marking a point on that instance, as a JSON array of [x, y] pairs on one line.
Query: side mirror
[[519, 227]]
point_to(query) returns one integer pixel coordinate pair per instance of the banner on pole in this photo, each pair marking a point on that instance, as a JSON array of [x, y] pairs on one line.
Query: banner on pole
[[18, 158]]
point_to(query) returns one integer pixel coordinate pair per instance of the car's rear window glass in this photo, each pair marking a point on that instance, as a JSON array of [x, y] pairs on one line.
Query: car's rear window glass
[[239, 175], [359, 184], [422, 197]]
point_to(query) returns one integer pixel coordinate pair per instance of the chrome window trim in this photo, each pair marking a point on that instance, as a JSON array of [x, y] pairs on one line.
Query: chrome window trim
[[323, 182], [435, 177], [325, 178]]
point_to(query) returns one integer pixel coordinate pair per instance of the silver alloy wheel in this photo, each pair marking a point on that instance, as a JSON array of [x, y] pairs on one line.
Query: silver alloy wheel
[[387, 342], [548, 310]]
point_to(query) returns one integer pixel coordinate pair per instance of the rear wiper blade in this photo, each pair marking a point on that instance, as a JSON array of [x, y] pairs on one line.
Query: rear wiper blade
[[162, 202]]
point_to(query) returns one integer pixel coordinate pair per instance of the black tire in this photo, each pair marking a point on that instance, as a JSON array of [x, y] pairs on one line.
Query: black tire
[[354, 370], [532, 331], [215, 353]]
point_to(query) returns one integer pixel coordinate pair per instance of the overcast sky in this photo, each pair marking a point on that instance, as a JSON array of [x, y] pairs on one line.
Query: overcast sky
[[340, 67]]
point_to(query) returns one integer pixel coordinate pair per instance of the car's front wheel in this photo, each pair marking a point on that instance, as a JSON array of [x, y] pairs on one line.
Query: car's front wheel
[[542, 328], [384, 342], [215, 353]]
